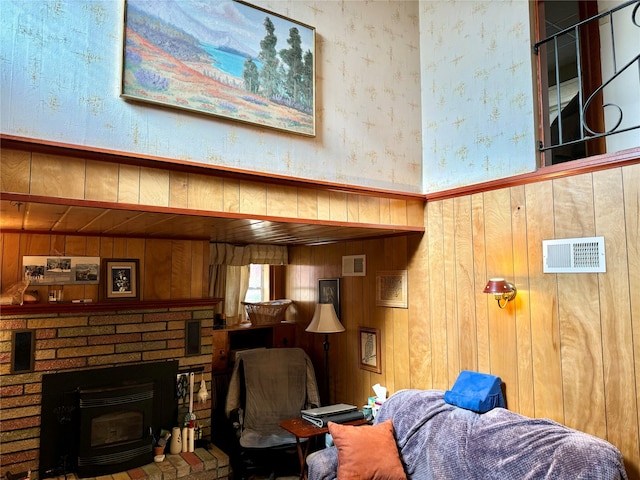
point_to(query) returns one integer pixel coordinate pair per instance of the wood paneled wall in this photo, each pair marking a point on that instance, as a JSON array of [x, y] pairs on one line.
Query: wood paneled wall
[[169, 269], [48, 175], [565, 348]]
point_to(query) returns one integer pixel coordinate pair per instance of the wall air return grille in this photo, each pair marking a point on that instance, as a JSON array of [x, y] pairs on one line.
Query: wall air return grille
[[354, 266], [574, 255]]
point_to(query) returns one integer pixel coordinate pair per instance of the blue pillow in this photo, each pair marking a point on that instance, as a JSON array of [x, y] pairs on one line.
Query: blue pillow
[[478, 392]]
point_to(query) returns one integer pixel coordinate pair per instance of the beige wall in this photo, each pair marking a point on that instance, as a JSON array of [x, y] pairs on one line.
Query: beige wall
[[565, 350], [478, 95]]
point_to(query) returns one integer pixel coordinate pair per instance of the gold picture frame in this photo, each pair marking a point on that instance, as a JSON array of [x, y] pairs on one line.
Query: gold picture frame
[[391, 289], [369, 349], [122, 278], [261, 72]]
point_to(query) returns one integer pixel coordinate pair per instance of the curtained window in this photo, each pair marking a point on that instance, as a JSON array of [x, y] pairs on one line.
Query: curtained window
[[229, 273]]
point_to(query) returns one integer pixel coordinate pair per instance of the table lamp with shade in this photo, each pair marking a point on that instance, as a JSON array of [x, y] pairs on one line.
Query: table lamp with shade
[[325, 321]]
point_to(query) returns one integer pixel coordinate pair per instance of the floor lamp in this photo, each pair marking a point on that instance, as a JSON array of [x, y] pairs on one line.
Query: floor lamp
[[325, 321]]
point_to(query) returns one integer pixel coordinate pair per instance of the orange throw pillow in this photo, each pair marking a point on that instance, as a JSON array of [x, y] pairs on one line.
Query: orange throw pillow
[[367, 452]]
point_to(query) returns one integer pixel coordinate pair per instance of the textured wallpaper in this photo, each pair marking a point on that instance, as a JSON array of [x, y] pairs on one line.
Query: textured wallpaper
[[60, 67], [410, 96], [477, 97]]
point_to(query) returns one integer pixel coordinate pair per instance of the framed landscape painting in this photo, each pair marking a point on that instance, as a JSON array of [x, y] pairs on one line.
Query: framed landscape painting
[[224, 58]]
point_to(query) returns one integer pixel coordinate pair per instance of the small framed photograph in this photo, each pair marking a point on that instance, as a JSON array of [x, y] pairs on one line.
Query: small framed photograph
[[61, 270], [369, 349], [329, 292], [391, 289], [122, 278]]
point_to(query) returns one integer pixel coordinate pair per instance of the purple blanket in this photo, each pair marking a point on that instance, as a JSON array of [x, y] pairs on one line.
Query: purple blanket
[[440, 441]]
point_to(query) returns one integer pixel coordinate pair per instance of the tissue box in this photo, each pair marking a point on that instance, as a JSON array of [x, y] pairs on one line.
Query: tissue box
[[478, 392]]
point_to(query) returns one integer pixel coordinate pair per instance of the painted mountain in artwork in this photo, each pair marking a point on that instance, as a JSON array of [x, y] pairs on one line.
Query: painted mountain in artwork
[[180, 54]]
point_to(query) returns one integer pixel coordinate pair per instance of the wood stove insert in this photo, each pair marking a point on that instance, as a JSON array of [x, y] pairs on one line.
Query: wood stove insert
[[99, 421]]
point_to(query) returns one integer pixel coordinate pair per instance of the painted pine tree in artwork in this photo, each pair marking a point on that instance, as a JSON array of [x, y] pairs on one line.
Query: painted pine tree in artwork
[[269, 58], [251, 76], [284, 77], [292, 57], [307, 82]]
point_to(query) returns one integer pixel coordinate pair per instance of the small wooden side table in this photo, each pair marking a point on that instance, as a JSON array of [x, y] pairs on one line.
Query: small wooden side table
[[302, 429]]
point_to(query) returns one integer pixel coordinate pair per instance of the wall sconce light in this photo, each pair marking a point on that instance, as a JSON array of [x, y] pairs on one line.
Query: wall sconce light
[[502, 290]]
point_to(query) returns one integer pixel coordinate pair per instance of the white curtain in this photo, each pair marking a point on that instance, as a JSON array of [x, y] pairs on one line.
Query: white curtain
[[229, 273]]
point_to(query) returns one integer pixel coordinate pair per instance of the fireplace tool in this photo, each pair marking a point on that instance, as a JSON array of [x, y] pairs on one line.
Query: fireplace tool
[[190, 418], [181, 393]]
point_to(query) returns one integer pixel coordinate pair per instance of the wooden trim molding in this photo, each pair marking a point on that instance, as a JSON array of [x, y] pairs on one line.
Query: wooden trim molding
[[568, 169], [117, 306], [575, 167], [150, 161]]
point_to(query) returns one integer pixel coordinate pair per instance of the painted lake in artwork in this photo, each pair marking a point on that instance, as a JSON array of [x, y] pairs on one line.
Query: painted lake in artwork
[[209, 68]]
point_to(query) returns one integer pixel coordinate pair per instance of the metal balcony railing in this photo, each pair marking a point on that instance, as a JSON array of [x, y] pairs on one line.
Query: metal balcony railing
[[611, 49]]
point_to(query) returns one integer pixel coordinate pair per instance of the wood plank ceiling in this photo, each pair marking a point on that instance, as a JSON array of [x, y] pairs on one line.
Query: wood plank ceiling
[[17, 215]]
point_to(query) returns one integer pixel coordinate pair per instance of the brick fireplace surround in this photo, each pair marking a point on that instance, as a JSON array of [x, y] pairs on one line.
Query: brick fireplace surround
[[95, 339]]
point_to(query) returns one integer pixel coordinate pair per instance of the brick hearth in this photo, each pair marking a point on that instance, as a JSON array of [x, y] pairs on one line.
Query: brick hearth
[[202, 464]]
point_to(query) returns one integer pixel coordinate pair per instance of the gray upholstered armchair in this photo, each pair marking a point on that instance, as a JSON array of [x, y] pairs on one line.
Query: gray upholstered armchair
[[266, 387]]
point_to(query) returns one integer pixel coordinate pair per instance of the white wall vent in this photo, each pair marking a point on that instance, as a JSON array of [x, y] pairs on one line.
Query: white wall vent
[[574, 255], [354, 266]]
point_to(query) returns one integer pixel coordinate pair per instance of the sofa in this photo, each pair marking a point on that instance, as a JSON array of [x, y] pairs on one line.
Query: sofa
[[432, 439]]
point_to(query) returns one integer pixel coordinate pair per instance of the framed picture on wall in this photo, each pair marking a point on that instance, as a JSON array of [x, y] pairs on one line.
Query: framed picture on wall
[[391, 289], [121, 278], [329, 292], [369, 349], [225, 58], [61, 270]]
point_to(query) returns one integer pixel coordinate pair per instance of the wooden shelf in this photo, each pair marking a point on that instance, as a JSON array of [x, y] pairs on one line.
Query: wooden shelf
[[115, 306]]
